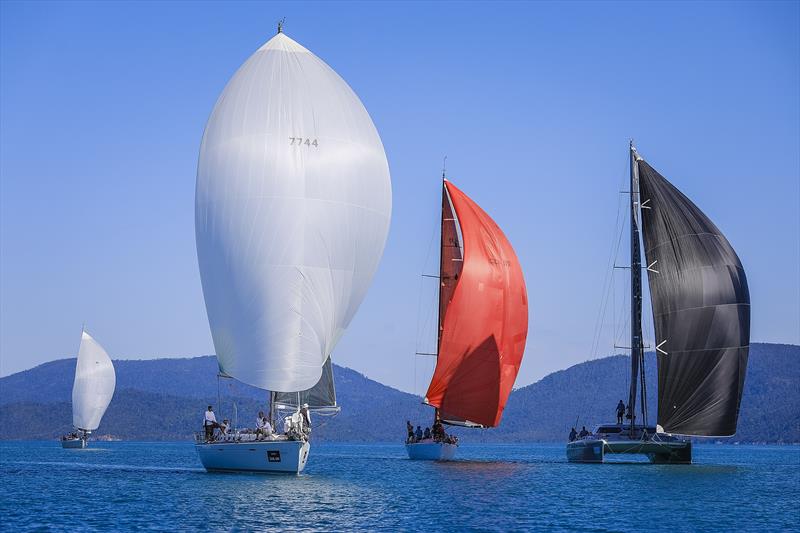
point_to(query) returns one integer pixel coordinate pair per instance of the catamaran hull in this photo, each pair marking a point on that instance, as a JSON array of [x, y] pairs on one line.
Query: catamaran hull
[[431, 451], [595, 450], [287, 457], [73, 443]]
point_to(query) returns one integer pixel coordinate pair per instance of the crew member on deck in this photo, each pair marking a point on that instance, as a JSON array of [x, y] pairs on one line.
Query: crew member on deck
[[306, 414], [263, 427], [438, 431], [418, 434], [583, 432], [410, 430], [573, 435], [210, 423], [427, 434], [620, 412]]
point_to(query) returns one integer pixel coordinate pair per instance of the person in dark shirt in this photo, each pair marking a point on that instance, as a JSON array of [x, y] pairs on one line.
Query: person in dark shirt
[[438, 431], [583, 432], [410, 430], [418, 434], [427, 433], [620, 412], [573, 435]]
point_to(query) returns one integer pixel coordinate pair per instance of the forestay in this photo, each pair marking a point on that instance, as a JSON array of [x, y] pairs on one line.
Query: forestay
[[292, 210], [701, 312], [94, 384]]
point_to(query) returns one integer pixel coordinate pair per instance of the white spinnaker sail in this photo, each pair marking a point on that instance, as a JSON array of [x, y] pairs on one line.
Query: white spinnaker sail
[[95, 380], [292, 210]]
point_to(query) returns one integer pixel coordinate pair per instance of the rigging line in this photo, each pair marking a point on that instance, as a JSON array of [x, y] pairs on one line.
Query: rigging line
[[623, 326], [422, 324], [419, 313], [604, 294], [610, 288], [617, 329]]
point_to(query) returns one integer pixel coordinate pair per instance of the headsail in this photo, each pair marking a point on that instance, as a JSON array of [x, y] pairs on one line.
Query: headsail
[[292, 210], [701, 311], [484, 321], [321, 397], [94, 384]]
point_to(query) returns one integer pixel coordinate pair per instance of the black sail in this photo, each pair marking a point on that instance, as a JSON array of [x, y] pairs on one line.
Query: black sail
[[701, 312], [321, 396]]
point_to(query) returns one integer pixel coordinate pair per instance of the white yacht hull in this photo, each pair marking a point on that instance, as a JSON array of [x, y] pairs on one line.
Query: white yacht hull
[[431, 451], [73, 443], [280, 456]]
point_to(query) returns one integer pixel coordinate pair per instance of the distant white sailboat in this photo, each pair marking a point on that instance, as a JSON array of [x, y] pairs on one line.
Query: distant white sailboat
[[292, 210], [92, 391]]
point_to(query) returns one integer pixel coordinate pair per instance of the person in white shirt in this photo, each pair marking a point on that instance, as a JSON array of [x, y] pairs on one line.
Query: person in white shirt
[[263, 427], [210, 423]]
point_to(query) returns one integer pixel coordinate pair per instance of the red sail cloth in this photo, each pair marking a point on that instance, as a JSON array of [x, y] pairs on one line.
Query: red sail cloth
[[485, 323]]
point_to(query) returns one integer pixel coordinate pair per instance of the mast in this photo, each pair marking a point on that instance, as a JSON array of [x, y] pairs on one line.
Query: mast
[[272, 410], [637, 364], [439, 324]]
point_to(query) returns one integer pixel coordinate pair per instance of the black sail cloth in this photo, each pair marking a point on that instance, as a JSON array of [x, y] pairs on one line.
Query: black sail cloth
[[321, 396], [701, 312]]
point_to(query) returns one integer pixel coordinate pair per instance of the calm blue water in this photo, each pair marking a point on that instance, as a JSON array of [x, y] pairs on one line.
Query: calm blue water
[[114, 486]]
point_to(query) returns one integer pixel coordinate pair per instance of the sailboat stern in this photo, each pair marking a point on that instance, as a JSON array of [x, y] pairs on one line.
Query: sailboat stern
[[76, 443], [679, 453], [586, 451], [431, 451], [271, 456]]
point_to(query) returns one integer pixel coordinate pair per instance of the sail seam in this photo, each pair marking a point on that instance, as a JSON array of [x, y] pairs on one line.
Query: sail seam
[[699, 307], [682, 235], [708, 349]]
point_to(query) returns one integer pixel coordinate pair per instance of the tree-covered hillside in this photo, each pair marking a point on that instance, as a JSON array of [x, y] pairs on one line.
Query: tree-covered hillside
[[164, 399]]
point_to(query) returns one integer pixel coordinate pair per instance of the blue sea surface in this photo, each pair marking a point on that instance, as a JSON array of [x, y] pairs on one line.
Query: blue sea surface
[[162, 486]]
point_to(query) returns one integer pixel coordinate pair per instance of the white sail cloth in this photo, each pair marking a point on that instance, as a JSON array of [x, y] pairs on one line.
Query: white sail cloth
[[94, 385], [292, 210]]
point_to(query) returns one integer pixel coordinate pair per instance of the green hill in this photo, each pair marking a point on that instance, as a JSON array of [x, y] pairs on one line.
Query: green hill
[[164, 399]]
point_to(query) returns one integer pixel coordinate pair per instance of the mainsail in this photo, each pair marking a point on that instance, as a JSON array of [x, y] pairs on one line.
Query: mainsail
[[320, 397], [94, 384], [292, 210], [701, 311], [483, 316]]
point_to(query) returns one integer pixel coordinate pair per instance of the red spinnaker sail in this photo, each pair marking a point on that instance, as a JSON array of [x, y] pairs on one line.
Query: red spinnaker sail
[[483, 316]]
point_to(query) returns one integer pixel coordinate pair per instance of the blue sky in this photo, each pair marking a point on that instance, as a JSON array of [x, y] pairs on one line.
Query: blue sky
[[102, 107]]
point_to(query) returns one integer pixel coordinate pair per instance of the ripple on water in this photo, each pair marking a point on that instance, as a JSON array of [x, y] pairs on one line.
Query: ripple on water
[[375, 487]]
